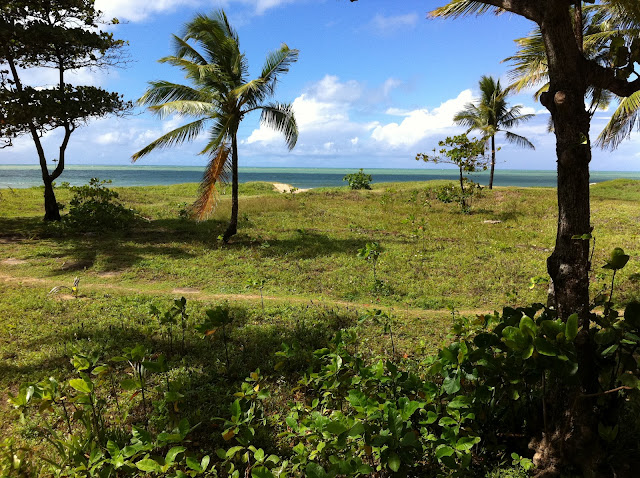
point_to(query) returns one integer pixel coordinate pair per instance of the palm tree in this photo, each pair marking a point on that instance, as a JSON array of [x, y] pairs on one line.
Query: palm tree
[[218, 97], [491, 115]]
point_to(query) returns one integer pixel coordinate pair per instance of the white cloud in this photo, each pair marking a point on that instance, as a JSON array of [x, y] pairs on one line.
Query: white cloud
[[421, 123], [141, 10], [384, 24]]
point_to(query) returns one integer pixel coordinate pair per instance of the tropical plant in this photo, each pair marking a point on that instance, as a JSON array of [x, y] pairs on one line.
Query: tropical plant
[[464, 153], [359, 180], [220, 96], [491, 115]]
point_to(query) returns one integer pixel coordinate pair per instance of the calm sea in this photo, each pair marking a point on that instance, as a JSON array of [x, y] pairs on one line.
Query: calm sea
[[28, 176]]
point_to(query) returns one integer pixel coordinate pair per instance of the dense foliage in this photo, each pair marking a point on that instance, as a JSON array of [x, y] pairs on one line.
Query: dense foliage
[[64, 35]]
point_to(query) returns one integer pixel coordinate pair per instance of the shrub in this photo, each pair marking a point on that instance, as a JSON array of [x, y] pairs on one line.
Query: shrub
[[358, 180], [94, 207]]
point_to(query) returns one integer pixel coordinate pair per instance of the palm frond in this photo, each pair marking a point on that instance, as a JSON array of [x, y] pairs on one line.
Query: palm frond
[[459, 8], [184, 50], [184, 108], [622, 123], [183, 133], [281, 118], [518, 140], [216, 171], [219, 133], [165, 91]]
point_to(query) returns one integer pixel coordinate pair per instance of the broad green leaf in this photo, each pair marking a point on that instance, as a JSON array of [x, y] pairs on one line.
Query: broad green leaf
[[148, 465], [394, 462], [544, 347], [444, 451], [632, 314], [315, 471], [81, 385], [629, 380], [173, 453], [336, 427], [129, 384], [466, 443], [605, 336], [571, 330], [194, 464], [528, 327], [261, 472], [451, 384]]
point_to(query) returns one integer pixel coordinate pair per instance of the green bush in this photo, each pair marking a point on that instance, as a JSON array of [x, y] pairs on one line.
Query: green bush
[[358, 180], [94, 207]]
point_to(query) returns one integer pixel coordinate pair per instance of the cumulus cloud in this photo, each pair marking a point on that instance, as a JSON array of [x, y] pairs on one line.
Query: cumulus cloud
[[420, 123]]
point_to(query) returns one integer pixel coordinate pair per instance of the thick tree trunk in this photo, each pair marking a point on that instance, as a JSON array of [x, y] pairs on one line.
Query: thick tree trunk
[[51, 208], [573, 439], [493, 160], [232, 229]]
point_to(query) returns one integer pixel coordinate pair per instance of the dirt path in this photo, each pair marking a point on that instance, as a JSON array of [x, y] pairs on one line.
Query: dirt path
[[198, 294]]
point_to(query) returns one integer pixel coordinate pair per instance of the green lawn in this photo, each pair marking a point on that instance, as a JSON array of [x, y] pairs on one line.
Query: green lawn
[[304, 247]]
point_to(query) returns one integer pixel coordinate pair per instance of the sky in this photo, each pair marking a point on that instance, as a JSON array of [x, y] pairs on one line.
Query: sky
[[376, 83]]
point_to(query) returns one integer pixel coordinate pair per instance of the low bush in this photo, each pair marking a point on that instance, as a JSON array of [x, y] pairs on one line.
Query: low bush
[[94, 207], [359, 180]]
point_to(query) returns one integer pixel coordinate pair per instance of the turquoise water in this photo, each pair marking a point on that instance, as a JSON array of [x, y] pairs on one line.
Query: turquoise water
[[28, 176]]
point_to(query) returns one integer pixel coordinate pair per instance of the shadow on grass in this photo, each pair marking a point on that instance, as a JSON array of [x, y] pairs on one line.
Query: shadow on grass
[[308, 244]]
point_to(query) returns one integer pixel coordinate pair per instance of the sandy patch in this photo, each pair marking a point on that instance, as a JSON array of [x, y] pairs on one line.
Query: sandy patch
[[185, 290], [286, 188], [12, 262], [108, 275]]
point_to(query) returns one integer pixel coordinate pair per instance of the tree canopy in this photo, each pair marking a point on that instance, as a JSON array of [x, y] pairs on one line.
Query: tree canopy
[[65, 36], [219, 97]]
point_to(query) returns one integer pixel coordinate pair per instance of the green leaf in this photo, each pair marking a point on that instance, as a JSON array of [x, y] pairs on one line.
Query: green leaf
[[451, 384], [444, 451], [528, 326], [629, 380], [610, 350], [572, 327], [129, 384], [336, 427], [632, 314], [261, 472], [315, 471], [259, 455], [173, 453], [149, 465], [233, 450], [460, 401], [466, 443], [394, 462], [194, 464], [544, 347], [81, 385]]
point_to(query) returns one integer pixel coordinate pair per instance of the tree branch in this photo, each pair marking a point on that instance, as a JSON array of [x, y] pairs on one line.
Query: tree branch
[[605, 78]]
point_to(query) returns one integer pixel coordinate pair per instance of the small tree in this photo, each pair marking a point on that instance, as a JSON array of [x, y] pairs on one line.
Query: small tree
[[467, 154], [63, 35]]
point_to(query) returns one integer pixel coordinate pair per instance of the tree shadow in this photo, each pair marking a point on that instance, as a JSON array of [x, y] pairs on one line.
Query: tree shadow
[[309, 244]]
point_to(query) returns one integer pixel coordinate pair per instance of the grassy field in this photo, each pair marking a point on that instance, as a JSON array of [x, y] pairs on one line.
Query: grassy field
[[291, 275]]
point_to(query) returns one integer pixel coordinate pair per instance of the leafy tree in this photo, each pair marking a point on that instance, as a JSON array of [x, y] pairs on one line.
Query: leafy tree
[[490, 115], [220, 97], [604, 26], [464, 153], [63, 35]]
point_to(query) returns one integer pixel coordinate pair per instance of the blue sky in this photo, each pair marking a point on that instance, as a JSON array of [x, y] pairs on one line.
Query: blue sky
[[376, 82]]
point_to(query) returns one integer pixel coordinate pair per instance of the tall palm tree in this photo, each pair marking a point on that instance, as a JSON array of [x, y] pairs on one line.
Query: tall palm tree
[[491, 115], [218, 98]]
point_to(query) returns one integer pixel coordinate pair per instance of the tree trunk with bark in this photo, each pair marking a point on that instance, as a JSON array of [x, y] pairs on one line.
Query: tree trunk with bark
[[574, 438], [232, 229], [493, 160]]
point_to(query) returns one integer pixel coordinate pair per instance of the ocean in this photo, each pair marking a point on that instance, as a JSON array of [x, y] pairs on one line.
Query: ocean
[[29, 176]]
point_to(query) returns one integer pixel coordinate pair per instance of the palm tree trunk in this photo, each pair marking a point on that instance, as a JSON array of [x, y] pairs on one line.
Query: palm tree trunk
[[232, 229], [493, 160]]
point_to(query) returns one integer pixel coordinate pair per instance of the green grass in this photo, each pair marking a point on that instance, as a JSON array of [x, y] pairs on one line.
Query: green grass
[[304, 247]]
